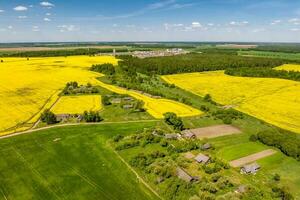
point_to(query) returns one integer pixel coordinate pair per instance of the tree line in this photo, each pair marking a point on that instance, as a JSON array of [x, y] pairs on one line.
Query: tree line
[[194, 62], [288, 143], [64, 52], [263, 72]]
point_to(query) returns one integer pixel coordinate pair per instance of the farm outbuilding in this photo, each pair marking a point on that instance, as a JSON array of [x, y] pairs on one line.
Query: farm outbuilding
[[62, 117], [172, 136], [201, 158], [206, 146], [183, 175], [250, 169], [188, 134]]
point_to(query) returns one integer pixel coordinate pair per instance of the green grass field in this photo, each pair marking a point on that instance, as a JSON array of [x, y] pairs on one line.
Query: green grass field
[[237, 151], [269, 54], [68, 163]]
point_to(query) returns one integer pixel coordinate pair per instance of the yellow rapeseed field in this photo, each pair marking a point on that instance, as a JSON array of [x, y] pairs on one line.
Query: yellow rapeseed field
[[28, 86], [276, 101], [289, 67], [156, 107], [77, 104]]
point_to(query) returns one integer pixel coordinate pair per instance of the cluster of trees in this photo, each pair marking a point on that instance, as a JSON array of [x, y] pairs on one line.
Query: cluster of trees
[[288, 143], [48, 117], [75, 88], [172, 120], [92, 116], [227, 115], [263, 72], [65, 52], [215, 166], [193, 63], [287, 48], [143, 160], [107, 69]]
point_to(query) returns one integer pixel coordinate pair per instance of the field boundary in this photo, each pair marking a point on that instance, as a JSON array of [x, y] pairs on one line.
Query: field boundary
[[251, 158], [73, 124]]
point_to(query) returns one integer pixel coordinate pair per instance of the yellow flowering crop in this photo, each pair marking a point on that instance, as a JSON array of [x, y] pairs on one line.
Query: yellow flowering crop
[[289, 67], [77, 104], [28, 86], [156, 107], [276, 101]]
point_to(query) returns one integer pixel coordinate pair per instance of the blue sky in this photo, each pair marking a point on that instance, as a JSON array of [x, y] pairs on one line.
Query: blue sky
[[150, 20]]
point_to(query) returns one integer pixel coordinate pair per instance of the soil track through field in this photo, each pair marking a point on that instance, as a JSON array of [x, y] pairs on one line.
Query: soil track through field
[[251, 158], [138, 176], [215, 131]]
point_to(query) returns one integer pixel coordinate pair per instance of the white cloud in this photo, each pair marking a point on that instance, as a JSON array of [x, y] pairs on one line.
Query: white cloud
[[48, 14], [169, 26], [161, 4], [276, 22], [196, 25], [295, 21], [35, 29], [236, 23], [1, 11], [47, 4], [64, 28], [20, 8], [22, 17], [10, 27], [46, 19], [295, 29], [210, 24], [130, 26]]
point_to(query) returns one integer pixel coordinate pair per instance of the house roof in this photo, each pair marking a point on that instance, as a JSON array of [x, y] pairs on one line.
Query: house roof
[[188, 134], [202, 158], [171, 136], [206, 146], [183, 175], [251, 168]]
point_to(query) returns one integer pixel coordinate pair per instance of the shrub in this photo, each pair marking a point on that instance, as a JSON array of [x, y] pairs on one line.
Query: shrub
[[173, 120], [48, 117], [117, 138], [92, 116], [253, 138], [277, 177]]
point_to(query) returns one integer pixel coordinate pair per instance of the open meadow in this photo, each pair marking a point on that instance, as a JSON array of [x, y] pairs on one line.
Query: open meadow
[[275, 101], [69, 163], [29, 86]]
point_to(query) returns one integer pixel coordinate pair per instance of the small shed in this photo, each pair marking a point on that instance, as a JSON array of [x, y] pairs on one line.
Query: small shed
[[250, 169], [241, 189], [128, 106], [172, 136], [189, 155], [201, 158], [183, 175], [206, 146], [62, 117], [116, 101], [128, 99], [188, 134]]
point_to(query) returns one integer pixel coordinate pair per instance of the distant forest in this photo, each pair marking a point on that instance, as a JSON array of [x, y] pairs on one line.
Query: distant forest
[[63, 52], [196, 62]]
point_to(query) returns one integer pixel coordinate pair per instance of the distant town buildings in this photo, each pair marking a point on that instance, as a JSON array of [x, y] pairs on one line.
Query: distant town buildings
[[159, 53]]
